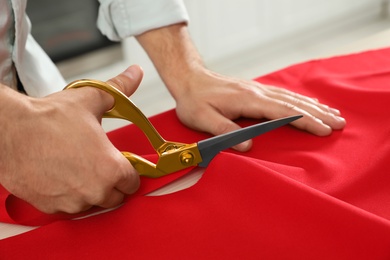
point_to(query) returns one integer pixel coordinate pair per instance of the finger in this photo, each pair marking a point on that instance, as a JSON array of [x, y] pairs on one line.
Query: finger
[[129, 180], [112, 196], [100, 101], [113, 199], [309, 100], [277, 109], [68, 205], [220, 125], [128, 81], [114, 183], [321, 112], [319, 119]]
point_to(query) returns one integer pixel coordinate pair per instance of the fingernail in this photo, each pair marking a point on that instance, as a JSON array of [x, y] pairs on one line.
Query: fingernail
[[133, 71], [334, 111], [340, 119]]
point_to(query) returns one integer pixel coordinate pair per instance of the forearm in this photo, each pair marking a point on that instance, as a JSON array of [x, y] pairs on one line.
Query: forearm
[[14, 110], [173, 54]]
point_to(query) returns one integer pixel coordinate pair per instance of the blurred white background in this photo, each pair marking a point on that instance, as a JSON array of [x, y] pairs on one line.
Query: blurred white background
[[249, 38]]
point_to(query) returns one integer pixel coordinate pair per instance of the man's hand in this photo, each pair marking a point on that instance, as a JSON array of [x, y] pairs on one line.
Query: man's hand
[[54, 153], [209, 102]]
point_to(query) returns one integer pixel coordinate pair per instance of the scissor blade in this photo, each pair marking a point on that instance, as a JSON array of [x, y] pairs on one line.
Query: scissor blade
[[209, 148]]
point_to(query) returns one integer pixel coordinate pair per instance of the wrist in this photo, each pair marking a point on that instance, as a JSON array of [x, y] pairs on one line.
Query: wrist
[[174, 55], [14, 113], [180, 81], [13, 105]]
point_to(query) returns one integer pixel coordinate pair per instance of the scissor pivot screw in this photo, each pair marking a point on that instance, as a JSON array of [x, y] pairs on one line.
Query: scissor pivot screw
[[186, 158]]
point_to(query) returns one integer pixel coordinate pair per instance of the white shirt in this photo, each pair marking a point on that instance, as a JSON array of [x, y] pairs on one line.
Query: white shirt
[[117, 19], [6, 44]]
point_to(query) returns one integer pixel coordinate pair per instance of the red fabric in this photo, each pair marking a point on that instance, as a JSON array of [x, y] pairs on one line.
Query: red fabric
[[294, 195]]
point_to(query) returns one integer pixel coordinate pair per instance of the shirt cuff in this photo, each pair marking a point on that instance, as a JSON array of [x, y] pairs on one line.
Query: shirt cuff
[[119, 19]]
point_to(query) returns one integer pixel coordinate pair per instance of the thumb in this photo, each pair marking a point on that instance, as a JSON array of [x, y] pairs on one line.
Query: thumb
[[128, 81], [230, 126], [223, 125]]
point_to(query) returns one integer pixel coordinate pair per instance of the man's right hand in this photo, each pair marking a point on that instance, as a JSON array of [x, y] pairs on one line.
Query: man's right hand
[[54, 153]]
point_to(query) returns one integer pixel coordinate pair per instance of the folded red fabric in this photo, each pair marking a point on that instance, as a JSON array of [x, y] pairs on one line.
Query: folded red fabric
[[294, 195]]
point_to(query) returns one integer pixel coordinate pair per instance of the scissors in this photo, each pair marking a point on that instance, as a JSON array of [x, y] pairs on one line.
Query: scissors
[[174, 156]]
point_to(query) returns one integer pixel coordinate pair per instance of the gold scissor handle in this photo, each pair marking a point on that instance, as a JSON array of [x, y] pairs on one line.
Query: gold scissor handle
[[171, 155], [123, 108]]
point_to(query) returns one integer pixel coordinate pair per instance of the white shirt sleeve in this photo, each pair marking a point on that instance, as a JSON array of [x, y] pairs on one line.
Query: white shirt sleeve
[[39, 75], [119, 19]]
